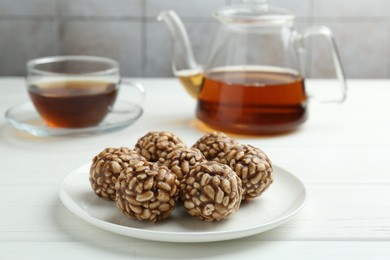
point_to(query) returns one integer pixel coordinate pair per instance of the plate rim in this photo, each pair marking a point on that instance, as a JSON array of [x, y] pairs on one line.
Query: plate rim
[[175, 236], [41, 130]]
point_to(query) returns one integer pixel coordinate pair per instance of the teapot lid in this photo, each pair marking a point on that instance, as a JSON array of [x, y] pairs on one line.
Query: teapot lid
[[254, 13]]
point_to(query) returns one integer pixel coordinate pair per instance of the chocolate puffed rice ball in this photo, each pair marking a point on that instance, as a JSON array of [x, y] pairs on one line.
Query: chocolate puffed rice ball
[[181, 160], [146, 191], [153, 144], [252, 166], [211, 191], [106, 167], [214, 143]]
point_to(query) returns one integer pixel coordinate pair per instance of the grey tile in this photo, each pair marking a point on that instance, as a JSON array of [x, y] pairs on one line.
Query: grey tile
[[301, 8], [199, 8], [159, 45], [27, 8], [101, 8], [21, 41], [158, 50], [360, 8], [363, 56], [119, 40]]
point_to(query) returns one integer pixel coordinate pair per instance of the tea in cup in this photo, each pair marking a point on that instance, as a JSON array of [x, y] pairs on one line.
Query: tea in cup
[[74, 91]]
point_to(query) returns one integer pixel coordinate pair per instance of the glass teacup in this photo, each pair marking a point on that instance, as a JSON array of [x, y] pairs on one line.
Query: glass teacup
[[74, 91]]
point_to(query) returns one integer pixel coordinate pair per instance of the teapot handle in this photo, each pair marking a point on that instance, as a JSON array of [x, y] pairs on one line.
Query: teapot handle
[[328, 35]]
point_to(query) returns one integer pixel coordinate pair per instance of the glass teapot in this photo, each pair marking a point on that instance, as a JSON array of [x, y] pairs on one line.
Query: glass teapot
[[253, 82]]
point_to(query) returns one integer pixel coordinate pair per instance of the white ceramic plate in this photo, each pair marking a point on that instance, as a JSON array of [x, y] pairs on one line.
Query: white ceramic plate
[[285, 198], [25, 117]]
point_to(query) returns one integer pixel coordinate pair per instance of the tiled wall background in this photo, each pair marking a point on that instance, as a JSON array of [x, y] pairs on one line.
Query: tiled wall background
[[127, 31]]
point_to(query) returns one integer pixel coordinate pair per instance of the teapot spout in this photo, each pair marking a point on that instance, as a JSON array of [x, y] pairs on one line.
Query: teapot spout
[[184, 65]]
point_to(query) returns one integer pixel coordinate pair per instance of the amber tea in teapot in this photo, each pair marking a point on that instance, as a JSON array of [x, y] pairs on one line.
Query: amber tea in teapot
[[248, 101], [191, 81]]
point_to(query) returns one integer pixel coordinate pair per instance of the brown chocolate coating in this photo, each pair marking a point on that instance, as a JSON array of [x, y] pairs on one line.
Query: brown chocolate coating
[[106, 167], [252, 166], [212, 144], [146, 191], [211, 191], [153, 144]]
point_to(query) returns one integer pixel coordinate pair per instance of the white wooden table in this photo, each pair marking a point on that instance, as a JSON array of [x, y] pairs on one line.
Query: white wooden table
[[342, 154]]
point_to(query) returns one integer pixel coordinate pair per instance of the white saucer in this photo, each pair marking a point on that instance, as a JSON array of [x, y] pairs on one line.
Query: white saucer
[[284, 199], [26, 118]]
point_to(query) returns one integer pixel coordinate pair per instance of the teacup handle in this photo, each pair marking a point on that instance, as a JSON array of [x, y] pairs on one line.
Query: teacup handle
[[329, 38], [134, 85]]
